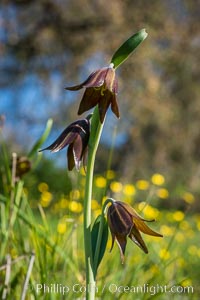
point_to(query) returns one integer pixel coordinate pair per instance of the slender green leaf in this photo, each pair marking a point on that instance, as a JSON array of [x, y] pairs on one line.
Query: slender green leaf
[[5, 161], [104, 238], [42, 139], [29, 220], [128, 47]]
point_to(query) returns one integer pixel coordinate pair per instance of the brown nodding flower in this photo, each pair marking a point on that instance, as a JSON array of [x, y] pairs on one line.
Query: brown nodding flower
[[124, 222], [101, 88], [76, 136], [22, 166]]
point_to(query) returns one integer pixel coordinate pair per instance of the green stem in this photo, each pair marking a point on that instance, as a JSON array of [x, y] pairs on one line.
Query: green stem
[[96, 130]]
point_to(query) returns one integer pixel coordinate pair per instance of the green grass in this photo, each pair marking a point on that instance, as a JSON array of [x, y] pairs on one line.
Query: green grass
[[41, 234], [42, 245]]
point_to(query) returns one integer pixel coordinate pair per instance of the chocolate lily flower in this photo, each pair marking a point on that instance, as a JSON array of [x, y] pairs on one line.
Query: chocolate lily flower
[[23, 166], [123, 221], [101, 88], [76, 135]]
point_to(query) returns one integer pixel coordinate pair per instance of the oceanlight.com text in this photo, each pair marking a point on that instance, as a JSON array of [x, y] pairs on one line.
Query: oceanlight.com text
[[151, 289], [111, 288]]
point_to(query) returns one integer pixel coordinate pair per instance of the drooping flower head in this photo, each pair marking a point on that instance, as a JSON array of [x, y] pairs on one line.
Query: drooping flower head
[[101, 88], [21, 165], [124, 222], [76, 136]]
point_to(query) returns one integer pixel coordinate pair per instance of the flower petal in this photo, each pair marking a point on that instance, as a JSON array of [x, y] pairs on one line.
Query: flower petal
[[70, 157], [114, 106], [77, 151], [104, 103], [118, 229], [115, 86], [110, 81], [136, 237], [62, 141], [119, 221], [144, 228], [74, 87], [95, 79], [130, 210], [121, 241], [138, 221], [113, 240], [89, 100]]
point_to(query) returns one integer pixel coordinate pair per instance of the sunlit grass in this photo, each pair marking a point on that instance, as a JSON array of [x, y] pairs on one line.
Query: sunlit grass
[[51, 229]]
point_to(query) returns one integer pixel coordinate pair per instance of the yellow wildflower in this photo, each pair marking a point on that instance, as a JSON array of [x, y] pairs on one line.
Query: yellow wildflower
[[187, 282], [94, 204], [164, 254], [100, 182], [75, 206], [166, 230], [142, 184], [158, 179], [188, 197], [116, 186], [61, 227], [45, 199], [97, 212], [148, 210], [63, 203], [162, 193], [178, 215], [129, 190], [151, 212], [43, 187]]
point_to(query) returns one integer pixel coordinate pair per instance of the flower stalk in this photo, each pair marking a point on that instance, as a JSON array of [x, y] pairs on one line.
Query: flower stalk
[[96, 130]]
